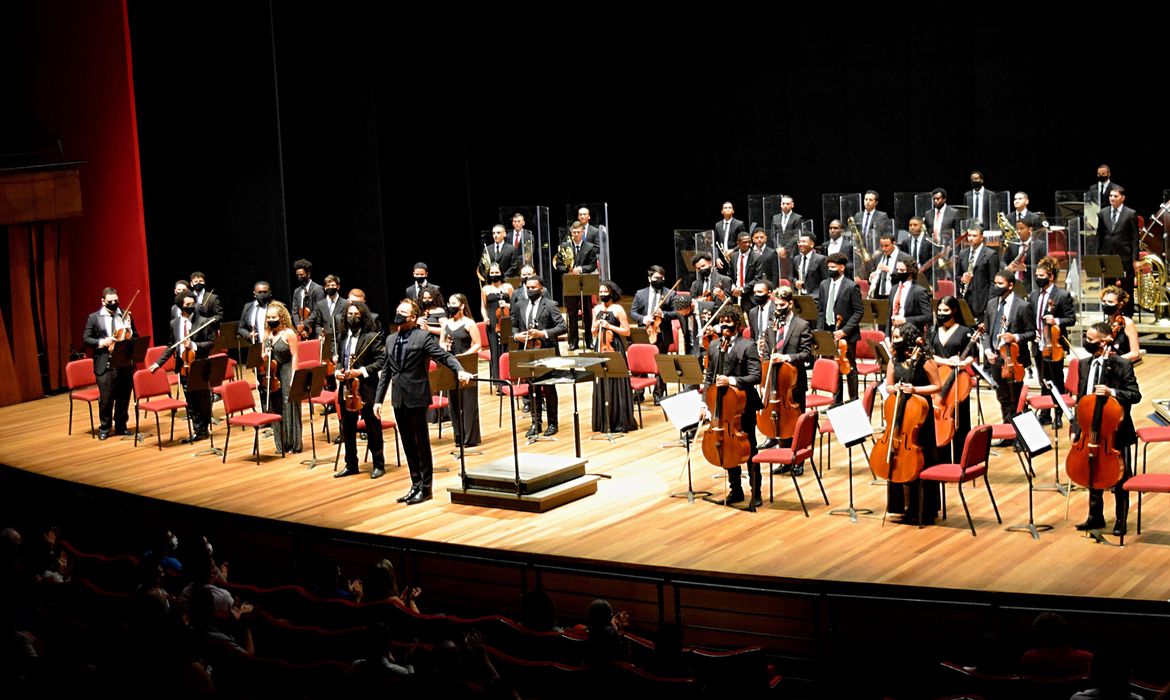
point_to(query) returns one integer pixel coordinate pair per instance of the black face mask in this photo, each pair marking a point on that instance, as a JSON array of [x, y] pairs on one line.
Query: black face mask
[[945, 318], [198, 286], [657, 284], [495, 278], [399, 319], [263, 298], [705, 273], [452, 310], [975, 184], [1109, 309], [781, 310], [1041, 282], [331, 291], [189, 310], [111, 306], [727, 330], [420, 280], [760, 299], [274, 324], [1091, 347], [533, 294], [900, 345], [1002, 291], [354, 322], [898, 277], [835, 274], [1102, 178], [603, 298]]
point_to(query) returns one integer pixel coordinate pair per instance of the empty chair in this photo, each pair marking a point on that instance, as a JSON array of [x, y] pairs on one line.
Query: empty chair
[[971, 466], [152, 392], [82, 385], [237, 398]]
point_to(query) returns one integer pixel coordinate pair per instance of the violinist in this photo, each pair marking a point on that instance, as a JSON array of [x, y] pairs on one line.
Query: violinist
[[360, 358], [326, 322], [839, 311], [652, 305], [1114, 300], [611, 329], [181, 288], [709, 285], [207, 301], [279, 354], [304, 297], [537, 322], [914, 378], [197, 345], [431, 309], [950, 344], [114, 383], [1108, 374], [737, 366], [494, 303], [789, 340], [1011, 328], [1054, 311]]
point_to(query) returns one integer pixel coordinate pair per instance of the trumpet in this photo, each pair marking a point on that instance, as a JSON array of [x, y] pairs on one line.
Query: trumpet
[[859, 242]]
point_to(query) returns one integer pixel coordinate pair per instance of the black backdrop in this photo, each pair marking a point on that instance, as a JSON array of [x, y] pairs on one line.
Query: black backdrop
[[346, 135]]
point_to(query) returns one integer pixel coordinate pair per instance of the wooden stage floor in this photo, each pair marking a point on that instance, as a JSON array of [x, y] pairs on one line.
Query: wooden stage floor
[[632, 520]]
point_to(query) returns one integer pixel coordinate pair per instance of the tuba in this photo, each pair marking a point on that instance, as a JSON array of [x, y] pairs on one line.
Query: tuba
[[1150, 292]]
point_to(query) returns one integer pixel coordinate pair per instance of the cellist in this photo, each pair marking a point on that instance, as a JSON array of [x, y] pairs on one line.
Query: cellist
[[914, 378], [1053, 309], [791, 342], [1009, 320], [949, 344], [739, 367], [1108, 374]]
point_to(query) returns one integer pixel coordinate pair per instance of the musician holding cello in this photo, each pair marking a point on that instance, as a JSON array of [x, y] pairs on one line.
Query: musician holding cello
[[733, 366], [911, 374], [1054, 311], [103, 328], [1109, 377], [953, 350], [1011, 329], [191, 338], [790, 341]]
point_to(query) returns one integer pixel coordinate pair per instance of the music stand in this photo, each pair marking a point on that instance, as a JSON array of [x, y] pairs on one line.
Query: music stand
[[875, 311], [201, 376], [1030, 436], [522, 364], [567, 370], [307, 384], [824, 345], [126, 355], [1059, 405], [686, 369], [683, 411], [851, 428], [806, 307], [613, 367], [581, 285], [967, 316], [638, 334], [227, 339], [450, 384]]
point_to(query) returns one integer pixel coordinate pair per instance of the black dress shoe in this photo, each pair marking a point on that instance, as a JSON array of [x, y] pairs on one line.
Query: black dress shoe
[[1091, 525], [419, 496], [347, 472], [409, 494], [338, 440], [756, 500], [782, 469], [769, 443], [124, 432], [377, 473], [798, 470], [103, 434], [534, 430], [194, 438], [1045, 419], [733, 497], [552, 430]]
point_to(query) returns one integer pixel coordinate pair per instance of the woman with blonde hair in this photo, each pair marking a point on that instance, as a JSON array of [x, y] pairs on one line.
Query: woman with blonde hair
[[279, 341]]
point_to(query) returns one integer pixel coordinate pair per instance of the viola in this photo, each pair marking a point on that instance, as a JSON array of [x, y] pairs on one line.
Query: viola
[[725, 444], [1054, 350], [655, 326], [1010, 368], [188, 359], [897, 456], [303, 314], [1093, 461], [604, 336], [268, 372], [843, 350], [122, 332]]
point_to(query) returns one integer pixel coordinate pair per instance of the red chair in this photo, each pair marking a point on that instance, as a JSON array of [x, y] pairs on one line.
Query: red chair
[[510, 390], [863, 285], [1007, 431], [825, 428], [801, 450], [643, 370], [149, 385], [438, 403], [675, 330], [485, 352], [1145, 482], [308, 354], [237, 398], [866, 359], [1044, 401], [826, 376], [944, 288], [152, 355], [79, 377], [972, 465]]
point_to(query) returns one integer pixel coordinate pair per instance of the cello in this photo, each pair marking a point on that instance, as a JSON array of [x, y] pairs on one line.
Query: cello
[[896, 456], [725, 444], [1093, 461], [777, 419], [956, 387]]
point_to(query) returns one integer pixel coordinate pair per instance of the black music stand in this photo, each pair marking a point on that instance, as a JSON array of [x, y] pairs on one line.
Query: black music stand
[[203, 374], [1033, 441], [806, 307], [684, 410], [442, 379], [824, 345], [126, 356], [613, 367], [1058, 404], [522, 364], [686, 370], [638, 334], [227, 339], [852, 428], [582, 285], [568, 370], [875, 311], [307, 384], [966, 316]]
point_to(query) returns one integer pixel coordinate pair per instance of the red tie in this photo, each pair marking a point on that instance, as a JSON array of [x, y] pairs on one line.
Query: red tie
[[742, 267], [898, 300], [516, 240]]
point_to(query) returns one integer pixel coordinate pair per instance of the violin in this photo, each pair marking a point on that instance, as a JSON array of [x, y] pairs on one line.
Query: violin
[[843, 350], [725, 444], [303, 314], [655, 326], [188, 359], [1054, 350], [956, 387], [706, 333], [268, 372], [896, 456], [603, 338], [1010, 369], [1093, 461], [777, 419], [123, 331]]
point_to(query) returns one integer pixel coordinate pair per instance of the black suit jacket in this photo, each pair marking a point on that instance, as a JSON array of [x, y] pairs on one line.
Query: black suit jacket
[[769, 265], [815, 273], [507, 259], [741, 363], [879, 224], [785, 236], [322, 323], [1118, 239], [1031, 217], [1035, 251], [751, 271], [798, 345], [982, 276], [848, 306], [203, 340], [985, 195], [95, 332], [370, 354], [1064, 309], [413, 290], [409, 379], [641, 313], [950, 219], [547, 318], [926, 249], [1021, 323], [246, 326], [846, 249], [211, 307], [1101, 194], [917, 309], [758, 324], [1117, 375], [717, 280], [728, 240], [305, 296]]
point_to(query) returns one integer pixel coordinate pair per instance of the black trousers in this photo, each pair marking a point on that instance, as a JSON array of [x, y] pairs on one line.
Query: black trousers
[[416, 443], [114, 387], [198, 407], [546, 396], [851, 378], [572, 307], [748, 424], [1120, 495], [374, 439], [1008, 393]]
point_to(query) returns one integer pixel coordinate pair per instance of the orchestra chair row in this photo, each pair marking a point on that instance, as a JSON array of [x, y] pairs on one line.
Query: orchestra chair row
[[152, 393], [791, 457]]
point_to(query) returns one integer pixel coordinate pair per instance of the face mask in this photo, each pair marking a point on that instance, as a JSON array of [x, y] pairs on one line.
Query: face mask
[[533, 294], [1002, 291], [975, 184], [835, 274], [898, 277], [495, 278], [111, 306], [198, 286], [1091, 347], [760, 299], [331, 291], [657, 284], [727, 330], [945, 318], [420, 280], [1041, 282], [782, 310], [900, 344], [603, 298], [705, 273], [1102, 178], [1109, 309], [452, 310], [263, 298], [274, 324], [188, 310], [353, 321], [399, 319]]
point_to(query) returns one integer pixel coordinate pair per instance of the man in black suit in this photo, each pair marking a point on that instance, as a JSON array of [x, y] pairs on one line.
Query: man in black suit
[[207, 300], [761, 309], [502, 253], [1010, 319], [909, 301], [870, 221], [1020, 210], [252, 319], [808, 268], [841, 298], [791, 342], [1100, 189], [304, 296], [114, 383], [584, 263], [837, 242], [328, 317], [785, 231], [1110, 375], [592, 233], [420, 282], [537, 320], [201, 339], [916, 243], [408, 353], [654, 302], [977, 265], [360, 356], [522, 240], [356, 294], [978, 200], [181, 288], [733, 360], [745, 268], [884, 261], [941, 217], [769, 262], [727, 232], [708, 282], [521, 291], [1021, 254], [1117, 234], [1054, 308]]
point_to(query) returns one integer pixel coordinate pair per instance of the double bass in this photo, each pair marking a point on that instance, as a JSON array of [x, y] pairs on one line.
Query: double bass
[[777, 419], [896, 456], [725, 444], [1093, 461]]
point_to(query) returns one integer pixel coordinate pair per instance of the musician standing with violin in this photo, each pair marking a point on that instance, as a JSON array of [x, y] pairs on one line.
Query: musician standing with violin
[[1055, 313], [840, 312], [912, 378], [537, 323], [709, 285], [494, 305], [280, 355], [1011, 327], [190, 342], [734, 361], [102, 328], [360, 356], [1114, 300], [652, 309], [613, 411], [1108, 374], [950, 344], [207, 301], [305, 296]]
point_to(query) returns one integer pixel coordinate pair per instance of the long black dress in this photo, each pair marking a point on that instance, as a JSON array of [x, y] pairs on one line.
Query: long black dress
[[290, 430], [491, 303], [903, 498], [953, 347], [468, 397], [619, 395]]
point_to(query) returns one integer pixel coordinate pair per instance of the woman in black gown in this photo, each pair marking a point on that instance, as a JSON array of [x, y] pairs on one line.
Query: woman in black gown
[[495, 296], [919, 378], [611, 326], [280, 342], [949, 342], [460, 336]]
